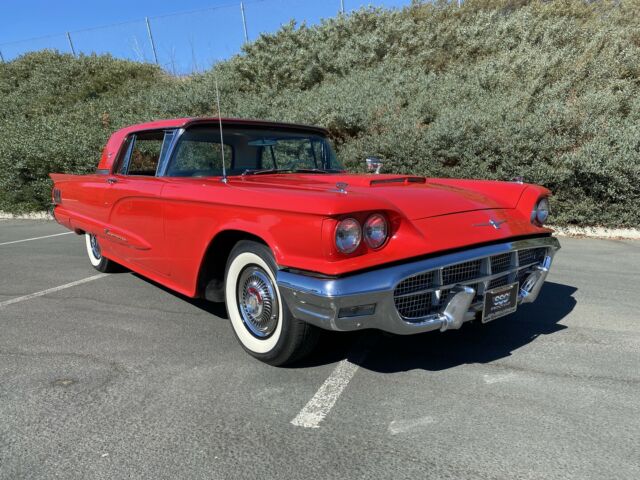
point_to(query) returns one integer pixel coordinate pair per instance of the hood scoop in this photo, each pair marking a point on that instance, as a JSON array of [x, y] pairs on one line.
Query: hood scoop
[[397, 180]]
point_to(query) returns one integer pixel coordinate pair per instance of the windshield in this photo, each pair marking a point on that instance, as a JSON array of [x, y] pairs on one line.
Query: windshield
[[251, 151]]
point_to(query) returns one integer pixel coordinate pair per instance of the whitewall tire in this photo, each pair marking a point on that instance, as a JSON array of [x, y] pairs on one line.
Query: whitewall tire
[[94, 252], [260, 319]]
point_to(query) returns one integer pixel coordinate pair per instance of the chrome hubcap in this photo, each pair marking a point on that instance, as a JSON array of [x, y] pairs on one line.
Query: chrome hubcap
[[258, 302], [95, 246]]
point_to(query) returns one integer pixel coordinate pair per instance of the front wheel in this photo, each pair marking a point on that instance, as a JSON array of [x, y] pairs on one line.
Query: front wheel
[[94, 252], [260, 319]]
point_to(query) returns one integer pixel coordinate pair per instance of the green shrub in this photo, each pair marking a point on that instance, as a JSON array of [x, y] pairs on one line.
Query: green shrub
[[495, 89]]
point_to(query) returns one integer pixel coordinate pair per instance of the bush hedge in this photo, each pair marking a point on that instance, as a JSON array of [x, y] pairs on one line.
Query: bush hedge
[[495, 89]]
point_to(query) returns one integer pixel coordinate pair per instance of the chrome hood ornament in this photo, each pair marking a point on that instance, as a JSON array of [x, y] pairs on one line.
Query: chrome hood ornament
[[492, 223], [341, 187]]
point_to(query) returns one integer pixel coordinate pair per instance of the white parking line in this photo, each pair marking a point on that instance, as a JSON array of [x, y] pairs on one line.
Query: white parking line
[[325, 398], [36, 238], [51, 290]]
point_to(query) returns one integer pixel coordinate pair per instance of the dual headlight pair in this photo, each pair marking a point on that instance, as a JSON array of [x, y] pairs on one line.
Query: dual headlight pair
[[349, 233]]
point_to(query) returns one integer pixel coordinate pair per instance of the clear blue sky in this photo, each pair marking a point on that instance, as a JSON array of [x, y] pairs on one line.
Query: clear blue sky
[[186, 42]]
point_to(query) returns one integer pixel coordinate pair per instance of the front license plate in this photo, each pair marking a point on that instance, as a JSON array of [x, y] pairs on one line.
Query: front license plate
[[499, 302]]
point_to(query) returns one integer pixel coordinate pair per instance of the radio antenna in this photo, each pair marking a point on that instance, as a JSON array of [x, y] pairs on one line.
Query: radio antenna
[[224, 170]]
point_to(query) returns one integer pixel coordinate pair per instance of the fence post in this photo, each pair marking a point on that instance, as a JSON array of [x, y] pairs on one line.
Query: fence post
[[1, 57], [244, 23], [342, 6], [73, 50], [153, 45]]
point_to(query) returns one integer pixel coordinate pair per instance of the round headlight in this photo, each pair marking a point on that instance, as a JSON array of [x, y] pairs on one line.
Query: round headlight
[[348, 235], [375, 231], [540, 213]]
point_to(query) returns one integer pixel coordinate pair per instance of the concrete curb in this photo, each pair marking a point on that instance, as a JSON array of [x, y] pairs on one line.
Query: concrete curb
[[588, 232], [598, 232], [26, 216]]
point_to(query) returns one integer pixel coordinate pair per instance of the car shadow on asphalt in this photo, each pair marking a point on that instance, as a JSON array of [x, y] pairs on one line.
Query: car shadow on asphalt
[[217, 309], [473, 343]]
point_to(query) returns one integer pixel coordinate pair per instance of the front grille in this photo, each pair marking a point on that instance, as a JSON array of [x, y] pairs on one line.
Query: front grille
[[501, 263], [416, 305], [531, 255], [415, 283], [461, 272], [499, 282], [427, 293]]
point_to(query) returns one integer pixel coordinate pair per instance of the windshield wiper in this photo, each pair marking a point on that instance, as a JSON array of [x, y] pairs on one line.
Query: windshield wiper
[[261, 171], [264, 171], [312, 170]]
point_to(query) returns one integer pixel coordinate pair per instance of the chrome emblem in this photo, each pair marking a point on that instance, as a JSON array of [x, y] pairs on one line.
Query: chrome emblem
[[492, 223], [111, 234], [341, 187]]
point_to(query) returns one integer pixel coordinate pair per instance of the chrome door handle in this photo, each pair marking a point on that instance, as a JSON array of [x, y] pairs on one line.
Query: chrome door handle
[[112, 180]]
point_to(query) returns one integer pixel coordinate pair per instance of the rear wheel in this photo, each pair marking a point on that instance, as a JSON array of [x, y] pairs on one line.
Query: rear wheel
[[260, 319], [94, 252]]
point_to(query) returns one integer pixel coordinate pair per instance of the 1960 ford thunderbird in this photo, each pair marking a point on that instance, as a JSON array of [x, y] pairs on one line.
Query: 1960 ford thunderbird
[[262, 216]]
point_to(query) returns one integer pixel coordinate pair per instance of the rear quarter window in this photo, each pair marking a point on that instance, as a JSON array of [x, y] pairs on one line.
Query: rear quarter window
[[145, 153]]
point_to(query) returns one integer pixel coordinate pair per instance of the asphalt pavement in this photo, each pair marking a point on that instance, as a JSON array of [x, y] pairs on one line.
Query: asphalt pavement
[[116, 377]]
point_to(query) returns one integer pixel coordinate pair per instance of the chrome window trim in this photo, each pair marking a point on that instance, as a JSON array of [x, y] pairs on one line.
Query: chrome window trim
[[167, 140], [127, 156], [165, 157]]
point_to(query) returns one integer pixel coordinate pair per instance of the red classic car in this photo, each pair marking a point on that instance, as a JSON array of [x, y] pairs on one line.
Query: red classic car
[[262, 216]]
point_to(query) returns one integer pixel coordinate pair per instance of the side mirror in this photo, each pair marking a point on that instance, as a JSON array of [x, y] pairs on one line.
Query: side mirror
[[374, 164]]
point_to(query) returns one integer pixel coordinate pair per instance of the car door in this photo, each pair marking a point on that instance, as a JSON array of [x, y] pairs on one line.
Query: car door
[[191, 198], [135, 226]]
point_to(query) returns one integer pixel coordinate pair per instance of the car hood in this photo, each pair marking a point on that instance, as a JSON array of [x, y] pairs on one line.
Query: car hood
[[414, 197]]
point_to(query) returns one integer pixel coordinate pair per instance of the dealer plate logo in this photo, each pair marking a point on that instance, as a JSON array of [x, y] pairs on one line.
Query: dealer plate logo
[[500, 301]]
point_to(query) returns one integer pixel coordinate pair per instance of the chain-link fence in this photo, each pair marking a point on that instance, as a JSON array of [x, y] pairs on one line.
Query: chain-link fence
[[187, 42]]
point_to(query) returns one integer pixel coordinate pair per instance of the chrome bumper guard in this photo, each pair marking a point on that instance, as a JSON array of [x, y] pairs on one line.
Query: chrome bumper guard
[[366, 300]]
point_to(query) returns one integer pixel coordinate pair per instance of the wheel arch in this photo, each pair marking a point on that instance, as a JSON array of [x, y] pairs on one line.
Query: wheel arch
[[210, 283]]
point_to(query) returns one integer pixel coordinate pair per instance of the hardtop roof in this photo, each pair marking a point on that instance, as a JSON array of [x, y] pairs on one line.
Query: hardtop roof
[[113, 145], [190, 121]]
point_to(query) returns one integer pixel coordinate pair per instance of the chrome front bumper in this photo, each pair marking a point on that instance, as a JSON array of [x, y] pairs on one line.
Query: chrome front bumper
[[366, 300]]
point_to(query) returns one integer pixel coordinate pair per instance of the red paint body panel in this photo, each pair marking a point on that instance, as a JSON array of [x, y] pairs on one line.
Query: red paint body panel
[[161, 227]]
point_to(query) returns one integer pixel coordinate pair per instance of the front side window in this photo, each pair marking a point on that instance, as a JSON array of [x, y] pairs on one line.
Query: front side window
[[199, 155]]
